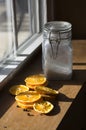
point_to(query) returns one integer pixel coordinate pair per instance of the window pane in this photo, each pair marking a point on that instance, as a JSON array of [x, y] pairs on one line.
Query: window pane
[[6, 38], [25, 19]]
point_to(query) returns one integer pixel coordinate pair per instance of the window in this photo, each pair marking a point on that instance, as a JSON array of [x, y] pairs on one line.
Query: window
[[21, 24]]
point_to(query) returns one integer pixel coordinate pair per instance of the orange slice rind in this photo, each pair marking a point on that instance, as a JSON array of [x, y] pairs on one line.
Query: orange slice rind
[[17, 89]]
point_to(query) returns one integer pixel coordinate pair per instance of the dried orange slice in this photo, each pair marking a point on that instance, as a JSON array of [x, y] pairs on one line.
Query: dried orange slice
[[25, 106], [43, 107], [34, 86], [27, 98], [17, 89], [38, 79], [46, 90]]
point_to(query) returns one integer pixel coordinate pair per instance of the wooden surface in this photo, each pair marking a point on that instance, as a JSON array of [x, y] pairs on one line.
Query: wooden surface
[[75, 117], [13, 118]]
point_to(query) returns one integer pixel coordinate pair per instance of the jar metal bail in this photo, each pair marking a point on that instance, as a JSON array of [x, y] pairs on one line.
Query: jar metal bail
[[56, 40]]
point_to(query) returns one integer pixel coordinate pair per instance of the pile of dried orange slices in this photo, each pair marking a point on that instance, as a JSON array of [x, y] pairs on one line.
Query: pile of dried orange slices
[[36, 80], [33, 94]]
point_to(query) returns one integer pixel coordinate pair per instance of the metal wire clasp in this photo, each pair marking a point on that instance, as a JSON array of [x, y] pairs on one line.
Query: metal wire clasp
[[54, 40]]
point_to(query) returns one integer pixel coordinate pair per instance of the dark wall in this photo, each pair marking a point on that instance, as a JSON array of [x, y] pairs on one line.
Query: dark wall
[[73, 11]]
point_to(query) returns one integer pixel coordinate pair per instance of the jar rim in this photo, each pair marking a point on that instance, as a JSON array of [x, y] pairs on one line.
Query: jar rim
[[58, 26]]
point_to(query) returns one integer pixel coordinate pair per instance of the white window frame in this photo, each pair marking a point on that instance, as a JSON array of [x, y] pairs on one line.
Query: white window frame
[[27, 50]]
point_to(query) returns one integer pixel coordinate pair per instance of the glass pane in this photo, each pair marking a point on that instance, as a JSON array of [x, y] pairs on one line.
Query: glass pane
[[23, 20], [6, 39]]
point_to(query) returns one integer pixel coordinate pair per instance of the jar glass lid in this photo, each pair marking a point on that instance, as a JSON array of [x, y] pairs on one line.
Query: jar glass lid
[[58, 26]]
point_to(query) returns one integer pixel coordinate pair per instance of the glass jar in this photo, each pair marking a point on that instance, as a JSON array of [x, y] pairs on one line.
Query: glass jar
[[57, 50]]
